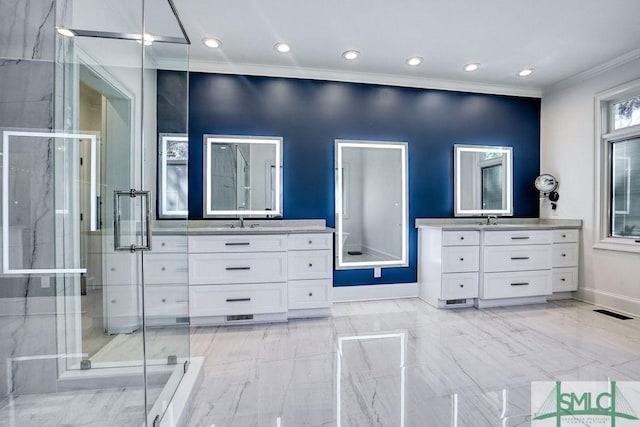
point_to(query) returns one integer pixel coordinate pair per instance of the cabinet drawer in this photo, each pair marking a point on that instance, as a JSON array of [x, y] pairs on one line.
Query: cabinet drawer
[[120, 268], [565, 254], [520, 237], [459, 286], [225, 300], [163, 243], [565, 279], [299, 242], [165, 268], [516, 284], [460, 238], [167, 301], [205, 269], [458, 259], [309, 293], [238, 243], [517, 258], [566, 236], [310, 265]]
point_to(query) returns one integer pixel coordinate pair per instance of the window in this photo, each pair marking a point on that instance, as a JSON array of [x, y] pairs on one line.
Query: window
[[618, 163]]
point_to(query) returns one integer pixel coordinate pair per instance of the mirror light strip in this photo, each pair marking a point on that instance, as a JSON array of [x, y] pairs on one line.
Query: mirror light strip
[[5, 196], [402, 146], [227, 139], [507, 151]]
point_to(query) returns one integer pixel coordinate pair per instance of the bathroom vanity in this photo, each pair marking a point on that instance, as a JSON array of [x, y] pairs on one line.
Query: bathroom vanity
[[266, 271], [465, 262]]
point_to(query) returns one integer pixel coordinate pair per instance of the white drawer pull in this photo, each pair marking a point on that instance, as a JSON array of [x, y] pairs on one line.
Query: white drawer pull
[[519, 257], [520, 284], [238, 299], [237, 243], [520, 238], [237, 268]]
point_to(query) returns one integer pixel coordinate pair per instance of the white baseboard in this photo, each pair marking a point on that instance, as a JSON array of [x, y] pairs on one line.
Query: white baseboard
[[610, 300], [374, 292]]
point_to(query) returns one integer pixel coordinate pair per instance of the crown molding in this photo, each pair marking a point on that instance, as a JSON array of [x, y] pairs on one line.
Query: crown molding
[[592, 72], [351, 77]]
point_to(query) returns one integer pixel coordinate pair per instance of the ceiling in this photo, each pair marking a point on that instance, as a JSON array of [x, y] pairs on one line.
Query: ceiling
[[558, 38]]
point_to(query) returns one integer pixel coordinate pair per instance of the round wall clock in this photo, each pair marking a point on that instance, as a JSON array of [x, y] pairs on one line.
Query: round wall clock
[[546, 183]]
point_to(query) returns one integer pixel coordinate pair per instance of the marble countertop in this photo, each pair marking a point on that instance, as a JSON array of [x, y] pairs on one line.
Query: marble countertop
[[502, 223], [211, 227]]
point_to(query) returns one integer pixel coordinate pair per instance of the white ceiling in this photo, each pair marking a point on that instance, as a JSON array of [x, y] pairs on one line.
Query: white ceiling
[[559, 38]]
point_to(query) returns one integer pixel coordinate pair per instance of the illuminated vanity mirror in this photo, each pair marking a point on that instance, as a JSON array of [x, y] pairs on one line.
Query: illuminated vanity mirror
[[371, 204], [483, 180], [173, 159], [243, 176]]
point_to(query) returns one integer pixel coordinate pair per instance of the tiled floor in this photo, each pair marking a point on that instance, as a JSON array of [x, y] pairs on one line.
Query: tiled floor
[[403, 362]]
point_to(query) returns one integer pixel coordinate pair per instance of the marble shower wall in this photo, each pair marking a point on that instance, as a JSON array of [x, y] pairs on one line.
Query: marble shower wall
[[27, 305]]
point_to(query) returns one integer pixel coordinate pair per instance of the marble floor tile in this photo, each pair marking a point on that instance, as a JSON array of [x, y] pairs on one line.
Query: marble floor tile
[[464, 367]]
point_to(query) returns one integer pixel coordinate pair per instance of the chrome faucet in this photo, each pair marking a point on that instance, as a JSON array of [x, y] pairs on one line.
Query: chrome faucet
[[241, 222], [492, 219]]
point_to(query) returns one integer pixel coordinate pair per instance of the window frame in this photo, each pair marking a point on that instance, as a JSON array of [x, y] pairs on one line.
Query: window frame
[[604, 140]]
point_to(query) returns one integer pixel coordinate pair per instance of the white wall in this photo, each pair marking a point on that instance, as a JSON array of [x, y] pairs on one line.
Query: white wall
[[567, 151]]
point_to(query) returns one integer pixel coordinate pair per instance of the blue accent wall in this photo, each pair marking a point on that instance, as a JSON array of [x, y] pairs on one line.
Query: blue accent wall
[[311, 114]]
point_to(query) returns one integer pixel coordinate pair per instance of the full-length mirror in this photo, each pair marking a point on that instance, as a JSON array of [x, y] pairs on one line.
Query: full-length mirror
[[243, 176], [483, 180], [173, 158], [371, 204]]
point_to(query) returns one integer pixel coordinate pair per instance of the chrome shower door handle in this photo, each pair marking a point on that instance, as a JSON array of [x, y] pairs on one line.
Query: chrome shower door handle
[[145, 221]]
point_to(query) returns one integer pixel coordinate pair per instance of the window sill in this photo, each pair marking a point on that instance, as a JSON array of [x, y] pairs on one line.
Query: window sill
[[619, 245]]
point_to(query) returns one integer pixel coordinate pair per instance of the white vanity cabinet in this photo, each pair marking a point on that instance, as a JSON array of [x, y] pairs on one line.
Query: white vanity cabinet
[[165, 278], [449, 266], [462, 264], [516, 264], [310, 274], [247, 278], [237, 278], [565, 260]]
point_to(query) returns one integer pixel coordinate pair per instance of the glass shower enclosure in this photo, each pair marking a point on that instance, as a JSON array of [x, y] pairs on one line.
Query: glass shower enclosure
[[93, 330]]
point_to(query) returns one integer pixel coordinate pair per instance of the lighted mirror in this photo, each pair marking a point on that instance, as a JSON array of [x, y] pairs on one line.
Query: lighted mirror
[[371, 204], [243, 176], [483, 177], [173, 159]]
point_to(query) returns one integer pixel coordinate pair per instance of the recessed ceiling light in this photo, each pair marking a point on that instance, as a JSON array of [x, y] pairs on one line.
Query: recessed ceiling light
[[525, 72], [148, 39], [211, 42], [65, 32], [471, 67], [415, 61], [350, 55], [282, 47]]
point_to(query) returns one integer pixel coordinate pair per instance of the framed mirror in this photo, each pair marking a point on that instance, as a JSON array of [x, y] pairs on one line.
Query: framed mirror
[[173, 159], [483, 180], [243, 176], [371, 204]]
